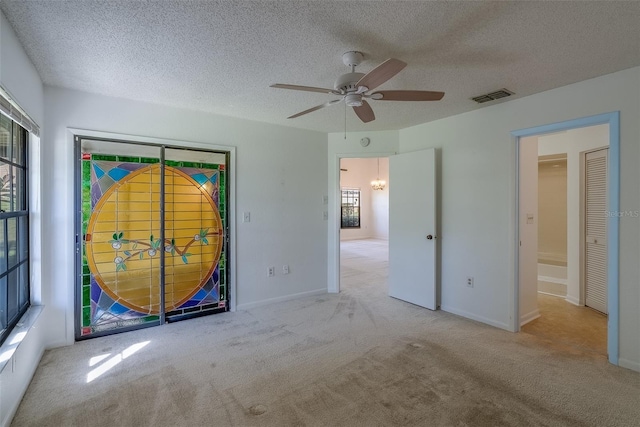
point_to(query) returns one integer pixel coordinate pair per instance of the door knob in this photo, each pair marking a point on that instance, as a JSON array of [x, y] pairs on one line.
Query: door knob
[[429, 237]]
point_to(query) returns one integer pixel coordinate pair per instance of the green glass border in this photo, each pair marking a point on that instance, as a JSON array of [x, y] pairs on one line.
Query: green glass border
[[85, 184]]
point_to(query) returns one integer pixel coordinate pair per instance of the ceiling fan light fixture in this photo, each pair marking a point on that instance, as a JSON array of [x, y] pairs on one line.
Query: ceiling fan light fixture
[[353, 100]]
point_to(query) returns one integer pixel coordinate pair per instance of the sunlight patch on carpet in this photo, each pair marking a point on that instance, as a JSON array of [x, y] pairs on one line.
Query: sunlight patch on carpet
[[115, 360]]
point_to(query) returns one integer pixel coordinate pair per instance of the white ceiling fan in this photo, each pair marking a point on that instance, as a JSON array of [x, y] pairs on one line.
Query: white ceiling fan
[[353, 88]]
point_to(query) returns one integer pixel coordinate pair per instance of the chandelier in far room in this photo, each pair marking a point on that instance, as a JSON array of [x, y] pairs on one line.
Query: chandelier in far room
[[378, 184]]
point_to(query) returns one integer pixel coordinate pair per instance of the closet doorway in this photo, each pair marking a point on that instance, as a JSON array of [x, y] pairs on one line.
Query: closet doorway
[[151, 235], [566, 318]]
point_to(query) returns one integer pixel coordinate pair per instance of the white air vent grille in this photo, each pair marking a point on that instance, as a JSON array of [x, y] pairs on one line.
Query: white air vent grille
[[502, 93]]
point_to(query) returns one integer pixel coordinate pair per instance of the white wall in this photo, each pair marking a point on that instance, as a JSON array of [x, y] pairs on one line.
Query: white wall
[[382, 144], [573, 142], [552, 211], [478, 204], [380, 203], [528, 222], [358, 175], [281, 176], [19, 77]]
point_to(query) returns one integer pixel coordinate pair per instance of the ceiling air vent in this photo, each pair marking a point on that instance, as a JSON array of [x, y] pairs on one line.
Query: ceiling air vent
[[502, 93]]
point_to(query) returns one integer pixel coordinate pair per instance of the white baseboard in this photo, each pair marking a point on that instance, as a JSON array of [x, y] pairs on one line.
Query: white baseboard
[[255, 304], [475, 317], [347, 238], [573, 300], [551, 295], [629, 364], [553, 280], [550, 288], [526, 318]]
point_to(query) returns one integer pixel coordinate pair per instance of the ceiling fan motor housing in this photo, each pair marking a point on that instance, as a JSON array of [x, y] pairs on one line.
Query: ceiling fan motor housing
[[347, 82]]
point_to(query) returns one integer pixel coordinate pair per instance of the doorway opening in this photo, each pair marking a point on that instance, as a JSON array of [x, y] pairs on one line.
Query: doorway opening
[[566, 249], [364, 225]]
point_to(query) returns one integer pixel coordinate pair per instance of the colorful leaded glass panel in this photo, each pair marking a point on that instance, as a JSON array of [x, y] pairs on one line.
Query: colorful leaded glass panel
[[122, 245]]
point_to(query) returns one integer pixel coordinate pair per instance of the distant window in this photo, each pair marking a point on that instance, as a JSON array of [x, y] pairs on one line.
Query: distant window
[[14, 225], [350, 208]]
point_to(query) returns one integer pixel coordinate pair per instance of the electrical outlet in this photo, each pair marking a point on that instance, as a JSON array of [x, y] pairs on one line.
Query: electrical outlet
[[246, 217], [271, 271], [285, 269], [325, 215], [470, 282]]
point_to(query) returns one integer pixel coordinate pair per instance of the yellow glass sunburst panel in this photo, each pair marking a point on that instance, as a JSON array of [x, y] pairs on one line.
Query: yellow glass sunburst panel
[[123, 246]]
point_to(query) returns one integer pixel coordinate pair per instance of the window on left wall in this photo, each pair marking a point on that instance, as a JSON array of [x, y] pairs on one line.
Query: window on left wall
[[14, 225]]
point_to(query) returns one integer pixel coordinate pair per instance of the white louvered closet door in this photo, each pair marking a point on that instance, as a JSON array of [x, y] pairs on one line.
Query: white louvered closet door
[[596, 230]]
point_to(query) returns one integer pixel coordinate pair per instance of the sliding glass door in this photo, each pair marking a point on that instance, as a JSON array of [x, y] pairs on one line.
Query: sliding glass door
[[151, 235], [194, 227]]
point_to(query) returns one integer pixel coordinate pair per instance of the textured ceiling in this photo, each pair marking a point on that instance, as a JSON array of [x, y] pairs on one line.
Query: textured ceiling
[[222, 56]]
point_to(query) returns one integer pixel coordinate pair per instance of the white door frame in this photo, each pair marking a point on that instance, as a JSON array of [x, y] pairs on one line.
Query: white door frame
[[613, 221], [333, 248]]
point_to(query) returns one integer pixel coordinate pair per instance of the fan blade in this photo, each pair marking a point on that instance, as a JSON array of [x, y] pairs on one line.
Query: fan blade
[[381, 73], [365, 112], [305, 88], [317, 107], [407, 95]]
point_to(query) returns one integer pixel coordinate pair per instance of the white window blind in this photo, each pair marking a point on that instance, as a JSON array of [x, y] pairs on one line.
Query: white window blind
[[17, 114]]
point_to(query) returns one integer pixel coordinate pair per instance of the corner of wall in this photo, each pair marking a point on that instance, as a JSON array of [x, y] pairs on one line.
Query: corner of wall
[[18, 75]]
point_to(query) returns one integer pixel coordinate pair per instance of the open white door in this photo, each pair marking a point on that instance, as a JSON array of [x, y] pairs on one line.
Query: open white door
[[412, 228]]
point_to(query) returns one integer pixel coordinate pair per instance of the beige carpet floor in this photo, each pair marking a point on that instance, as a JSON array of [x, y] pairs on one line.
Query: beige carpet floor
[[358, 358]]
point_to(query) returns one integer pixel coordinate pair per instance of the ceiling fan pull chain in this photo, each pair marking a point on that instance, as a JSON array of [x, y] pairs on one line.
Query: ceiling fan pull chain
[[345, 121]]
